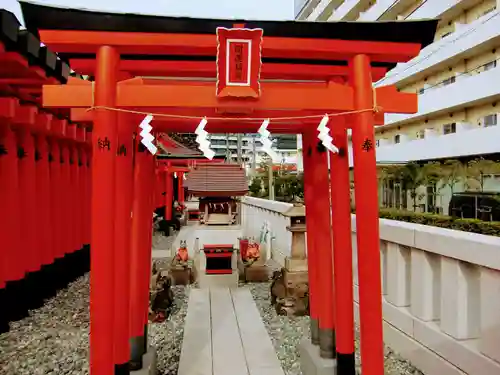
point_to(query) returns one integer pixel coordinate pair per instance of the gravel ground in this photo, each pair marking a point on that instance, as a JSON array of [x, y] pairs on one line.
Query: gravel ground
[[286, 334], [54, 339], [167, 336]]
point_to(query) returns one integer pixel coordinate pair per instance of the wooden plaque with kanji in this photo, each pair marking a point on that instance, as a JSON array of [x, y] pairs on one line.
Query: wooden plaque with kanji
[[238, 62]]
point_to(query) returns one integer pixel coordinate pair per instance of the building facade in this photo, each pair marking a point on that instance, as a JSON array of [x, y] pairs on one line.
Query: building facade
[[457, 79], [250, 148]]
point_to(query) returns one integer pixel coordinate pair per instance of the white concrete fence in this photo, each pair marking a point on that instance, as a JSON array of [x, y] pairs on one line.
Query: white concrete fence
[[441, 289]]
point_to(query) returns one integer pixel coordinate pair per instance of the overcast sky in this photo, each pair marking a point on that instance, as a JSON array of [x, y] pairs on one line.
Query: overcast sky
[[243, 9]]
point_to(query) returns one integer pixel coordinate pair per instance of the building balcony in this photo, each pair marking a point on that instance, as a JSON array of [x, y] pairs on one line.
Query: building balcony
[[468, 90], [322, 7], [347, 8], [471, 38], [303, 8], [467, 141], [432, 9], [318, 10], [384, 10]]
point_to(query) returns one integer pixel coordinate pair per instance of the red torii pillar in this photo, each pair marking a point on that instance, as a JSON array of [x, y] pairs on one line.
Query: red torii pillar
[[367, 219], [169, 194], [57, 208], [104, 141], [43, 203], [12, 270], [180, 187], [144, 176], [323, 245], [79, 190], [65, 197], [342, 248], [27, 186], [312, 254], [123, 224]]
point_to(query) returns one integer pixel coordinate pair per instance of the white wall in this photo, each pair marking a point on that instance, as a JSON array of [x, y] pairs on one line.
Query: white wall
[[256, 213]]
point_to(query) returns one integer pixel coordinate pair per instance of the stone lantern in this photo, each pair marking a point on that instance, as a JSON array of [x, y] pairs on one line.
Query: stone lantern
[[290, 286], [297, 262]]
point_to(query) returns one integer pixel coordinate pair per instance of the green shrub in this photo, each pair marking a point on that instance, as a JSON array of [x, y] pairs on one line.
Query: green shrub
[[490, 228]]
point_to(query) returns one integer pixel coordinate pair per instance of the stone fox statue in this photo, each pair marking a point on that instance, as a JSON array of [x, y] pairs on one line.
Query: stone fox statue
[[164, 224], [162, 298]]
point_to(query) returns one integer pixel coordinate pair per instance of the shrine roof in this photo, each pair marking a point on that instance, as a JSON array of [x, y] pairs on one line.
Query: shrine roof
[[210, 180], [170, 147], [38, 17], [12, 39], [52, 19]]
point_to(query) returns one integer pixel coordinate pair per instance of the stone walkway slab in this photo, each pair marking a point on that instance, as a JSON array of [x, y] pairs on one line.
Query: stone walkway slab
[[224, 335]]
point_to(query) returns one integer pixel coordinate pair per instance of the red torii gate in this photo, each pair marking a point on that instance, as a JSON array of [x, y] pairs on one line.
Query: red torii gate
[[356, 51], [177, 160]]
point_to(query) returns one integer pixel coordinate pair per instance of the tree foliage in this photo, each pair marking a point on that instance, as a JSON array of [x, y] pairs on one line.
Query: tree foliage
[[452, 173], [477, 170]]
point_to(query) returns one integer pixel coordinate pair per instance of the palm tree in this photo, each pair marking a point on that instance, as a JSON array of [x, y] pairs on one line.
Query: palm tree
[[412, 176]]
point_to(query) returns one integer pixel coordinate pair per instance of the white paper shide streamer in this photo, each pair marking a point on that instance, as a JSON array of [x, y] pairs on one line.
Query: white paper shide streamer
[[202, 140], [267, 144], [146, 137], [324, 135]]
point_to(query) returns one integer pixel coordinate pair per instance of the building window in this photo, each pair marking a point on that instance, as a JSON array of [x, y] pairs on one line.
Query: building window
[[450, 128], [448, 81], [490, 65], [421, 134], [397, 138], [490, 120]]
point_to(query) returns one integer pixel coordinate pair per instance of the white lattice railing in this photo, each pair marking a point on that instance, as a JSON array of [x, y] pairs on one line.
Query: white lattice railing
[[441, 289]]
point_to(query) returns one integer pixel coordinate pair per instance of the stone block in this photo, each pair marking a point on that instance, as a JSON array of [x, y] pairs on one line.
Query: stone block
[[218, 281], [241, 270], [293, 278], [296, 264], [257, 273], [311, 363], [181, 276]]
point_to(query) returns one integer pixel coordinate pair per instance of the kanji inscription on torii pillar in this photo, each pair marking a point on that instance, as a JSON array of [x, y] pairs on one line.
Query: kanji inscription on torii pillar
[[238, 62]]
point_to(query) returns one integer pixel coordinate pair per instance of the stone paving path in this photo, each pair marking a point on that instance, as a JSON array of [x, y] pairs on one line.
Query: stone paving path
[[224, 335]]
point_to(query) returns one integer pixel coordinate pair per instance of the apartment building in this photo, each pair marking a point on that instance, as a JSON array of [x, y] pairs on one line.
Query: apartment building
[[250, 146], [457, 79]]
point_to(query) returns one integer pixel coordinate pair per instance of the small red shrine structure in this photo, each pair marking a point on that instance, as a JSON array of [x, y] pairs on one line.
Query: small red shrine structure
[[217, 186], [337, 63], [173, 164]]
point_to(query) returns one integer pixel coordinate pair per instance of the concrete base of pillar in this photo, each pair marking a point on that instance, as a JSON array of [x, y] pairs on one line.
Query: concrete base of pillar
[[311, 363], [148, 363]]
